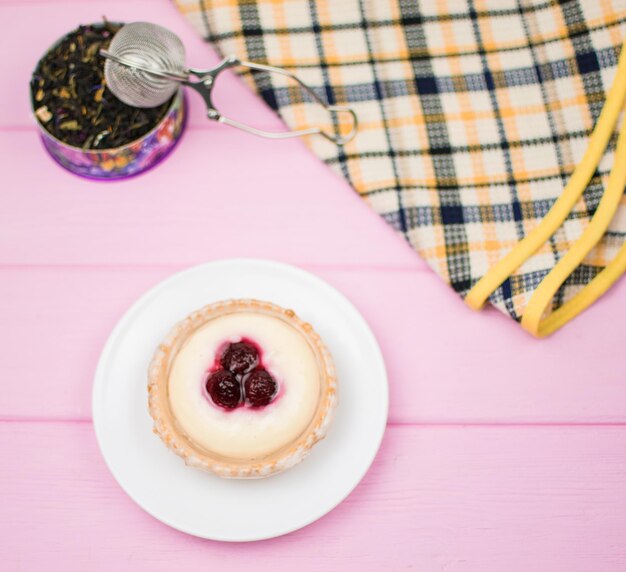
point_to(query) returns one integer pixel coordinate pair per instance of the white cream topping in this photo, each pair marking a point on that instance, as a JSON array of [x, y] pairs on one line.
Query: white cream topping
[[245, 433]]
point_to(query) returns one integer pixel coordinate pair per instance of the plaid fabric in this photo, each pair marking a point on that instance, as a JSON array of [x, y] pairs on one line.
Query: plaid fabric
[[473, 114]]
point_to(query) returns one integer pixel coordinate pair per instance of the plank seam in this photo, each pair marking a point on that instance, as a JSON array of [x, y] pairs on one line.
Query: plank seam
[[425, 424], [6, 267]]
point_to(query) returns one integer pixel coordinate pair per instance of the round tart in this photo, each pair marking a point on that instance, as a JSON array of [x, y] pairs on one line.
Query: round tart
[[242, 388]]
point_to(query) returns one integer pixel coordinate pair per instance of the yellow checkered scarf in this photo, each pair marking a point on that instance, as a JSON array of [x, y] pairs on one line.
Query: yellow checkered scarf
[[473, 116]]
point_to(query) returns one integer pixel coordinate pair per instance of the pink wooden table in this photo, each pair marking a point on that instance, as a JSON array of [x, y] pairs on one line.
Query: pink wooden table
[[502, 452]]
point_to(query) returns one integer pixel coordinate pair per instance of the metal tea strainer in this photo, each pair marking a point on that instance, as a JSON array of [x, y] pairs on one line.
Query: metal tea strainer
[[145, 65]]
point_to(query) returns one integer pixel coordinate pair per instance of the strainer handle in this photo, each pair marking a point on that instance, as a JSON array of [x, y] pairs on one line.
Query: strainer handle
[[205, 85]]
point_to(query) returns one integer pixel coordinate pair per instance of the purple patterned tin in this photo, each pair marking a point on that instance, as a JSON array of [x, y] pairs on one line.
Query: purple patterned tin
[[126, 160]]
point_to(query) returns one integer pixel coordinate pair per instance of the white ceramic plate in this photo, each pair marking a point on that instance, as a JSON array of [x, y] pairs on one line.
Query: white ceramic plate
[[199, 503]]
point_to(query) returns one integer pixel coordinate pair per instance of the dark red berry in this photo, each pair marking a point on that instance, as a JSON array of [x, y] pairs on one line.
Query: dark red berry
[[260, 388], [224, 389], [240, 358]]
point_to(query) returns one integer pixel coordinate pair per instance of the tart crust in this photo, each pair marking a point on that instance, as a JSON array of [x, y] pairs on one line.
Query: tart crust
[[167, 428]]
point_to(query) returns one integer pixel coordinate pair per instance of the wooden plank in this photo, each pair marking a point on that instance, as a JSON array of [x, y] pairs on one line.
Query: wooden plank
[[446, 363], [212, 197], [437, 498], [237, 197]]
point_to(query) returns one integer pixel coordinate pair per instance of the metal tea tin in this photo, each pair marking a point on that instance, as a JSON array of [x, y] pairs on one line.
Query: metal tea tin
[[124, 161]]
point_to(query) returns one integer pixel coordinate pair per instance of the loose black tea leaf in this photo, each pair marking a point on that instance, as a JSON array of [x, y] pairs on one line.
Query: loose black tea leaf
[[71, 99]]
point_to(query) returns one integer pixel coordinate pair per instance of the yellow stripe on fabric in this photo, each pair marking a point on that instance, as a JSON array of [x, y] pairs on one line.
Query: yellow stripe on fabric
[[531, 320], [587, 296], [579, 180]]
